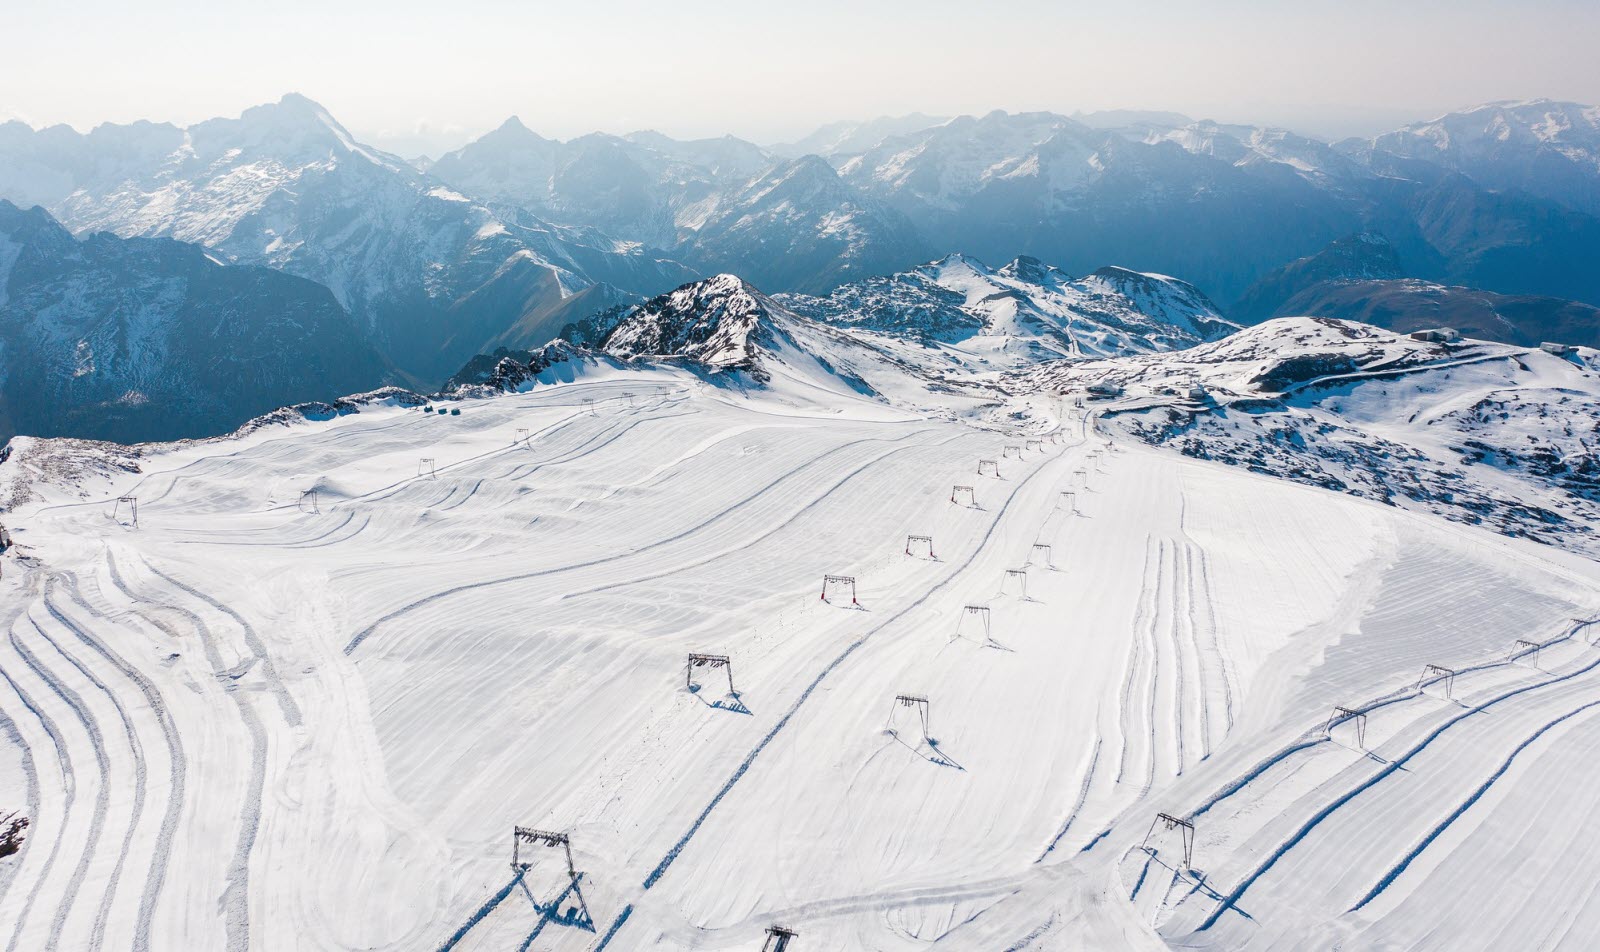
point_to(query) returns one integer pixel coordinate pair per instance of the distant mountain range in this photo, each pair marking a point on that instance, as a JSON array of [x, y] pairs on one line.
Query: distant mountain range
[[154, 339], [1489, 214], [1361, 278]]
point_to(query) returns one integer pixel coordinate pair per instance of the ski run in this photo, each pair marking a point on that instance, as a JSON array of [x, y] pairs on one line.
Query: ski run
[[1092, 695]]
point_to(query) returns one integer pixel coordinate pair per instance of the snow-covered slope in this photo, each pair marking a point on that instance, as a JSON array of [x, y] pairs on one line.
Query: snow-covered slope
[[1478, 432], [142, 339], [308, 698], [1025, 311], [1548, 148]]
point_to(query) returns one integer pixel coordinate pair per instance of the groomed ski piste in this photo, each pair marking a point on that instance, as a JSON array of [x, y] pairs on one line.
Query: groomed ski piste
[[306, 699]]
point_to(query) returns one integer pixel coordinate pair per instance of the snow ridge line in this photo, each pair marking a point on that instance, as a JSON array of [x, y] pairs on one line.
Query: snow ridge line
[[1282, 849], [363, 634], [269, 671], [1394, 871], [739, 772], [70, 790], [102, 804], [1135, 656], [140, 768], [178, 768], [235, 898]]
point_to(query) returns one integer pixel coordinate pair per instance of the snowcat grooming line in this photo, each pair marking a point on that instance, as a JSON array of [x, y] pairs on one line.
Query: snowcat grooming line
[[837, 580]]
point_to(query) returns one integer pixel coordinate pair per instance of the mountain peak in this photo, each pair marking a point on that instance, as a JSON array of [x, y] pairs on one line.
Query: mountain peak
[[716, 322]]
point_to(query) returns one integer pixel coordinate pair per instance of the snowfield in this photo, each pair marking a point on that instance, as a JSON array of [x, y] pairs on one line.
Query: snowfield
[[305, 701]]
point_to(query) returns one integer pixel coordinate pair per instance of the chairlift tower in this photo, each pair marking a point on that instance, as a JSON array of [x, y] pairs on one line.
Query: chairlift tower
[[989, 467], [1010, 451], [1432, 673], [522, 436], [523, 834], [1342, 714], [1034, 445], [1169, 823], [131, 504], [1020, 576], [980, 612], [1525, 649], [778, 939], [707, 661], [1068, 500], [957, 493], [916, 701], [1042, 549], [426, 468], [834, 582], [307, 502], [920, 541]]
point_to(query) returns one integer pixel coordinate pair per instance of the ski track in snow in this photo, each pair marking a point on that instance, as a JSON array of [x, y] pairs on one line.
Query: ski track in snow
[[247, 726]]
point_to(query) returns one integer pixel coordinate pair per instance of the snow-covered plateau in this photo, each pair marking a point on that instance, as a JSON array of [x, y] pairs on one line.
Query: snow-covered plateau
[[1087, 671]]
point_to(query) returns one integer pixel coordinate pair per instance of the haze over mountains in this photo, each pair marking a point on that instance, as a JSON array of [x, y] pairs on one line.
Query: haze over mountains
[[513, 237]]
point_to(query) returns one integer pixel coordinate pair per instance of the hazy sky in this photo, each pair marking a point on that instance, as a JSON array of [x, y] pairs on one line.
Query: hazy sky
[[416, 76]]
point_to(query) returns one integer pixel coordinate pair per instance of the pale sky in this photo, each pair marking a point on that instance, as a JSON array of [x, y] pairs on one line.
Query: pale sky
[[413, 76]]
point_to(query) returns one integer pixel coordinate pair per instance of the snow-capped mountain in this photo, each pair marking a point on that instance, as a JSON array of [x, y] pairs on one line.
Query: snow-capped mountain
[[1048, 186], [1025, 311], [635, 187], [1541, 146], [799, 227], [1483, 433], [851, 137], [153, 339], [286, 186]]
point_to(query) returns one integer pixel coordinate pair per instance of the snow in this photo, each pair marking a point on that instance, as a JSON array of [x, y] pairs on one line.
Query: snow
[[251, 725]]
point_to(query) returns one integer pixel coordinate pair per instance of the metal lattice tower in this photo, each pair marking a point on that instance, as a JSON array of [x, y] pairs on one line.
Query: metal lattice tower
[[707, 661], [914, 701], [957, 491], [928, 539], [778, 939], [992, 466], [1525, 649], [1432, 673], [1170, 822], [837, 580], [308, 501], [1342, 714], [426, 468], [523, 834]]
